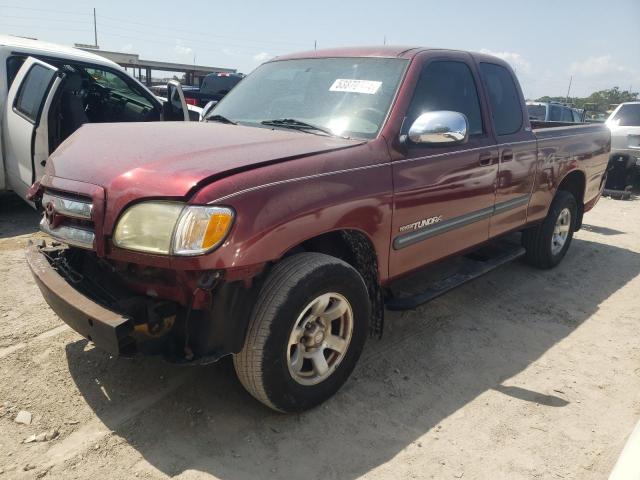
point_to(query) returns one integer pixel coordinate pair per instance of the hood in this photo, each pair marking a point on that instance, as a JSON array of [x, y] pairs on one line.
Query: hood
[[170, 159]]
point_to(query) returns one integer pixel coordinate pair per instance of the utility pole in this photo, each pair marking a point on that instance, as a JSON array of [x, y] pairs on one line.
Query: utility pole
[[569, 89], [95, 29], [384, 40], [315, 45]]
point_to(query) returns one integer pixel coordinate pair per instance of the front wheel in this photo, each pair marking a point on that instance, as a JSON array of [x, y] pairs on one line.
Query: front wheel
[[547, 244], [306, 332]]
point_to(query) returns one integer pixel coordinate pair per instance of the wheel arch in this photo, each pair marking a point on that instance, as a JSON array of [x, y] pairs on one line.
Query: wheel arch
[[575, 183], [357, 249]]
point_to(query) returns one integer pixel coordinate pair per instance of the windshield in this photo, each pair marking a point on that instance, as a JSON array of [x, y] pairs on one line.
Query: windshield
[[347, 96], [537, 112], [628, 116]]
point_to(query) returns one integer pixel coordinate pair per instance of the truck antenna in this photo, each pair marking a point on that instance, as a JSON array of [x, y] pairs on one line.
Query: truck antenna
[[569, 89]]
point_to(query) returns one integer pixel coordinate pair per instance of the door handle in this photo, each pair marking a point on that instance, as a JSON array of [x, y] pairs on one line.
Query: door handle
[[507, 155], [485, 159]]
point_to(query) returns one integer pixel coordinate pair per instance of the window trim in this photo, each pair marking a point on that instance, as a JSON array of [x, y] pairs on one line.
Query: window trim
[[490, 106], [34, 121], [484, 133]]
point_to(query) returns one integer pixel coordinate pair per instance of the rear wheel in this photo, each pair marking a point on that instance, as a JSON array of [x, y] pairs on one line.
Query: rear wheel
[[306, 332], [548, 242]]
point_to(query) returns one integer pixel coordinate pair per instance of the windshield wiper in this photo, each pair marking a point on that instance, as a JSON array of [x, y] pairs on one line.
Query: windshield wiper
[[221, 119], [298, 125]]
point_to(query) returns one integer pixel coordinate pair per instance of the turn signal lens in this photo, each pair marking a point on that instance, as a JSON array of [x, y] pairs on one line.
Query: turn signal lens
[[201, 228]]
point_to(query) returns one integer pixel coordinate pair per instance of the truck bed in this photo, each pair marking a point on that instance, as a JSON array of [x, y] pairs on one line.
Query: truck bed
[[544, 129]]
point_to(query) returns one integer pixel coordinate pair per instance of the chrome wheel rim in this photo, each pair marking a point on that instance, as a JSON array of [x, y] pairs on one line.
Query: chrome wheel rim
[[320, 338], [561, 231]]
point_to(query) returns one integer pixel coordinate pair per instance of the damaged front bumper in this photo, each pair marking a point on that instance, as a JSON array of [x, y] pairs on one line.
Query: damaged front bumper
[[109, 330], [100, 305]]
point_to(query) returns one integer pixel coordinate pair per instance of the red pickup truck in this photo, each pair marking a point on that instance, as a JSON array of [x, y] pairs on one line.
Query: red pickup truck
[[276, 230]]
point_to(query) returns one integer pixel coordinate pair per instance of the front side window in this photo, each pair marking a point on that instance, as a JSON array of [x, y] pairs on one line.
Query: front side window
[[555, 114], [503, 97], [346, 96], [111, 82], [628, 115], [33, 91], [447, 85]]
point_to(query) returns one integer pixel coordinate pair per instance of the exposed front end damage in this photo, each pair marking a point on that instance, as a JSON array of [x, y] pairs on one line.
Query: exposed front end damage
[[130, 310]]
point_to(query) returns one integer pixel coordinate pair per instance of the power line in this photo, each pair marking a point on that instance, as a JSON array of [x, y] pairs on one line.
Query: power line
[[49, 28], [189, 32], [45, 19], [114, 23], [67, 12]]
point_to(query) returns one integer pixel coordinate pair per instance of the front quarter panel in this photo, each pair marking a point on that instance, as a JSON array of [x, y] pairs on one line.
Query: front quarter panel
[[279, 207]]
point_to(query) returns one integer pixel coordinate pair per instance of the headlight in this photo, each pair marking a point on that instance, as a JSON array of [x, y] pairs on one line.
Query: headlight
[[172, 227]]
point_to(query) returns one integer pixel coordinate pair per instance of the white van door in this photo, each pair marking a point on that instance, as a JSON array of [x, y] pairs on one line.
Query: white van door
[[26, 129]]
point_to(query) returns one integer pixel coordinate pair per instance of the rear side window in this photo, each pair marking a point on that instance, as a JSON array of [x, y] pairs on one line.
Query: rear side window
[[447, 85], [503, 97], [219, 84], [537, 112], [14, 63], [555, 114], [577, 116], [566, 115], [33, 90]]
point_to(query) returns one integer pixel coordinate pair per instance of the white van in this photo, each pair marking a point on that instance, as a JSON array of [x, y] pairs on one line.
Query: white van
[[48, 91]]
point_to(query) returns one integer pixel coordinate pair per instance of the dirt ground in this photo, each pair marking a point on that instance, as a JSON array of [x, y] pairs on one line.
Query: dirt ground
[[521, 374]]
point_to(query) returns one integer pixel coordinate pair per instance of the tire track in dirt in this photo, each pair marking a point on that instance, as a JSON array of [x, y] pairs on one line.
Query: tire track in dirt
[[95, 430], [52, 332]]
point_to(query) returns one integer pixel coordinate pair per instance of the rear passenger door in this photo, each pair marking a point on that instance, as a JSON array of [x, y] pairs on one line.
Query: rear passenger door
[[516, 147], [25, 123], [443, 194]]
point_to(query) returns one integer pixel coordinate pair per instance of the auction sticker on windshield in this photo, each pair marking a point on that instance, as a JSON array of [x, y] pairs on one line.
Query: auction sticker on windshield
[[355, 86]]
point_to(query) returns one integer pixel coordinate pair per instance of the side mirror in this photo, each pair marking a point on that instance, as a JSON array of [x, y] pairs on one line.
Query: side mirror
[[440, 127], [207, 109], [175, 107]]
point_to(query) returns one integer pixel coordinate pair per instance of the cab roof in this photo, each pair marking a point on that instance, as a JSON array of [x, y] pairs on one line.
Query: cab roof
[[386, 51], [38, 47], [375, 51]]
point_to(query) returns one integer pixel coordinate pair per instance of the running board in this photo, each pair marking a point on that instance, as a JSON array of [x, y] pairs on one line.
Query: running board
[[478, 266]]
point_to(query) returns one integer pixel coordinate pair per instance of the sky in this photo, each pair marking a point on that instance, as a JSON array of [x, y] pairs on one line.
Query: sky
[[597, 42]]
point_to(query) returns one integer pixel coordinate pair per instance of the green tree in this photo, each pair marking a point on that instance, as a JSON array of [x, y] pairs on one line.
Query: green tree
[[602, 99]]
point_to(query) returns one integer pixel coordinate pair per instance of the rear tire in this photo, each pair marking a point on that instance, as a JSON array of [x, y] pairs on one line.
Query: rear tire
[[296, 355], [548, 242]]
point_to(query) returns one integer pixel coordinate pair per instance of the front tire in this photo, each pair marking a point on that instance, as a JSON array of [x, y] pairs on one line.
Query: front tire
[[306, 332], [547, 243]]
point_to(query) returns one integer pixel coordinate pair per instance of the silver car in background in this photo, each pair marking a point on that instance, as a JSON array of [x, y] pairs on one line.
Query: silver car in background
[[624, 123]]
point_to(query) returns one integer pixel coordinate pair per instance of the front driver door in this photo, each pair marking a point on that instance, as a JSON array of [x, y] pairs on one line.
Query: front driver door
[[443, 195], [26, 129]]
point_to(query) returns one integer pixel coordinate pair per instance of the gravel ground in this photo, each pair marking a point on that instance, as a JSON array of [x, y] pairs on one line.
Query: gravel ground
[[521, 374]]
